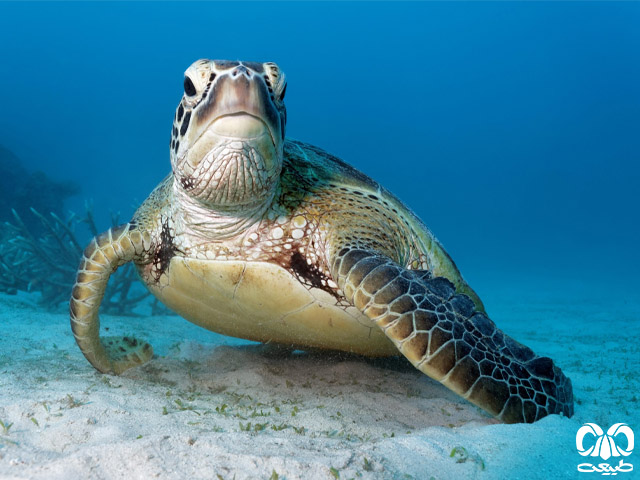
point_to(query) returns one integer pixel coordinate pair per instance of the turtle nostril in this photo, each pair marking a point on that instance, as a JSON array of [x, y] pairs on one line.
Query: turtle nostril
[[241, 70]]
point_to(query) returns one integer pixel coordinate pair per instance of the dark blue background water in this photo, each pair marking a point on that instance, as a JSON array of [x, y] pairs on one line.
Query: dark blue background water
[[512, 129]]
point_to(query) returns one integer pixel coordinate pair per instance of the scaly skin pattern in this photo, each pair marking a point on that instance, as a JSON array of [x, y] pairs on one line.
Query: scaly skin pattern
[[333, 229], [101, 258], [322, 202]]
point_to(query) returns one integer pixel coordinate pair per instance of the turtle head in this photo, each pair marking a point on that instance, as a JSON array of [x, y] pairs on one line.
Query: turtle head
[[228, 134]]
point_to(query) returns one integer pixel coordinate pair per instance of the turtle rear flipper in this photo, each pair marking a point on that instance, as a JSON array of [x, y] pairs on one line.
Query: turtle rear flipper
[[126, 352], [443, 335], [101, 258]]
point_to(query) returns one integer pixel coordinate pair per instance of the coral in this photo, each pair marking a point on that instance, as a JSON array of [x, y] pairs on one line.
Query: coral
[[47, 263], [41, 253]]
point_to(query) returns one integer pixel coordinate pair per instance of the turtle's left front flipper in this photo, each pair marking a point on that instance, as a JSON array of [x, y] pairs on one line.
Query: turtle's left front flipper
[[443, 335], [101, 258]]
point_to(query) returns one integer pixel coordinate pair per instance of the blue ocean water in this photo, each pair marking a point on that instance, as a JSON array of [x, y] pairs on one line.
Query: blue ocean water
[[512, 129]]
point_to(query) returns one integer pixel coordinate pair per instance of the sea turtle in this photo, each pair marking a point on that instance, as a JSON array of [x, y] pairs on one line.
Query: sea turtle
[[271, 239]]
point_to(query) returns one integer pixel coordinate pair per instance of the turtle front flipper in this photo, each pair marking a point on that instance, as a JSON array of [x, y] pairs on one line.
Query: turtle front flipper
[[101, 258], [443, 335]]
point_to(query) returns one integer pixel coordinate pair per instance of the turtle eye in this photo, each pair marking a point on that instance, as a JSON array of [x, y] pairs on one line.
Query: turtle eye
[[284, 90], [189, 88]]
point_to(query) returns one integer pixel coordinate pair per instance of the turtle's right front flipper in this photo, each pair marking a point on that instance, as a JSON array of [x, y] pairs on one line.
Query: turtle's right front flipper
[[101, 258], [442, 333]]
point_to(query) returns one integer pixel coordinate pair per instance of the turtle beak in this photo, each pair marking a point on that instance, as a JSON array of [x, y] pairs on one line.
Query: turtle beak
[[238, 104]]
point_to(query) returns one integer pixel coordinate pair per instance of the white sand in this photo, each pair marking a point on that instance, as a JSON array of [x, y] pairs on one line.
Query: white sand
[[184, 414]]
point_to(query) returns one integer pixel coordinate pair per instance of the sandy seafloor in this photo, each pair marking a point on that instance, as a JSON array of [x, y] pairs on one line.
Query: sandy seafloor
[[210, 407]]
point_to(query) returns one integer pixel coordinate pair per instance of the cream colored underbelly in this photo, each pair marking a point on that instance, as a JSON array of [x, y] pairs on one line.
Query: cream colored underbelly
[[263, 302]]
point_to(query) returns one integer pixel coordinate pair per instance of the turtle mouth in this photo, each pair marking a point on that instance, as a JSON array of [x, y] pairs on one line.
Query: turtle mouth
[[240, 125]]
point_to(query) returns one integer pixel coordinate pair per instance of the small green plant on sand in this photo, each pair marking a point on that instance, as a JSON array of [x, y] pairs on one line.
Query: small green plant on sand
[[6, 426], [462, 455], [72, 402], [184, 407]]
